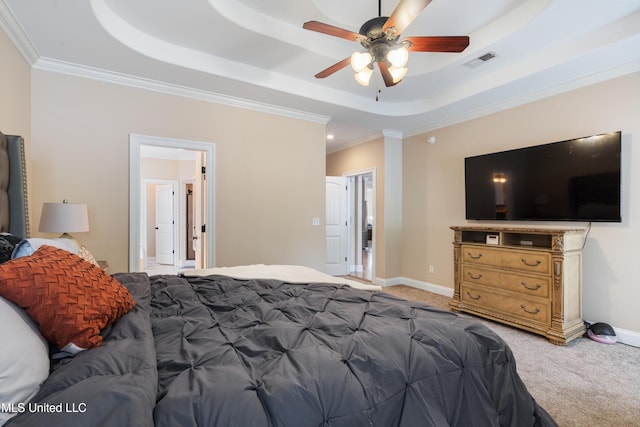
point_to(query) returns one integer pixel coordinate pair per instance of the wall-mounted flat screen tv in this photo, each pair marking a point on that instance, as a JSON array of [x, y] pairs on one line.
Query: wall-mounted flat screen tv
[[574, 180]]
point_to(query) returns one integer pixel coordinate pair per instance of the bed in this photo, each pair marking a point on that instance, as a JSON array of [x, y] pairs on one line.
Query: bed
[[242, 346]]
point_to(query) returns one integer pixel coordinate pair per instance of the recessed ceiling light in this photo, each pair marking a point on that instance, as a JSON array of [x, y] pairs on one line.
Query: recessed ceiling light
[[329, 136]]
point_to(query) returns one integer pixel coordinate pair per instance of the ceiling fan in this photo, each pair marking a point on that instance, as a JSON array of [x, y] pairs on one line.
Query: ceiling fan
[[381, 38]]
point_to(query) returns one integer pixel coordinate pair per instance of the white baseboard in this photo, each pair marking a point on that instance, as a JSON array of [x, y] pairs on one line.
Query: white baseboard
[[425, 286], [625, 336], [628, 337], [356, 268]]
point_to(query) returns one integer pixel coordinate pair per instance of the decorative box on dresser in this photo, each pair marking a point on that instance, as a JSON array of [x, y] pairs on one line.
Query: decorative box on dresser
[[530, 278]]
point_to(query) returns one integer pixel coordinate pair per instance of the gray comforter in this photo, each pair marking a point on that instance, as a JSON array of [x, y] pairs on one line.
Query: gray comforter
[[111, 385], [217, 351]]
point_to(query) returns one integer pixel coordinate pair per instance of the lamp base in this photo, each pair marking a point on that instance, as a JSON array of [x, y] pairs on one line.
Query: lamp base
[[69, 237]]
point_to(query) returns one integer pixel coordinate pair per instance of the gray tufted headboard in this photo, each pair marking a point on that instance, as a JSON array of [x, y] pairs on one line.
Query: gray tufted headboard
[[14, 213]]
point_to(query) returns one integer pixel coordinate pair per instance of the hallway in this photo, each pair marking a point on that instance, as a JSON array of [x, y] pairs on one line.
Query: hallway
[[367, 266]]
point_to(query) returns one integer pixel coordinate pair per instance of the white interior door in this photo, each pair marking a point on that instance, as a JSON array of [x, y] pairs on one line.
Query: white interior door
[[164, 224], [336, 223]]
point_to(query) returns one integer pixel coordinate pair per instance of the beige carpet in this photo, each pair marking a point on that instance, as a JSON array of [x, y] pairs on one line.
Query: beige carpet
[[584, 384]]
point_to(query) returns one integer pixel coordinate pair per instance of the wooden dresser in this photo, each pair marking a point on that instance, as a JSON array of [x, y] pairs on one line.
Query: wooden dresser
[[530, 278]]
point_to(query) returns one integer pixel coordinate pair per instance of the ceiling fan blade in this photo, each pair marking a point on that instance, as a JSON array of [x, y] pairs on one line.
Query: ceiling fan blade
[[404, 14], [386, 74], [335, 67], [332, 31], [438, 44]]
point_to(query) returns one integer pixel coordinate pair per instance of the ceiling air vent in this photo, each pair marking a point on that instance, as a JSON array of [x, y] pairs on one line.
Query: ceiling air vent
[[480, 60]]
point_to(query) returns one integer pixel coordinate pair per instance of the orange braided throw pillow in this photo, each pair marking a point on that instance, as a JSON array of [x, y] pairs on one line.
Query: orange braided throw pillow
[[71, 299]]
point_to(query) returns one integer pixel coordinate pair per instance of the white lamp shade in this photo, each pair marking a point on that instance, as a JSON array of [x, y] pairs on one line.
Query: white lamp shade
[[363, 77], [360, 61], [397, 73], [398, 57], [64, 218]]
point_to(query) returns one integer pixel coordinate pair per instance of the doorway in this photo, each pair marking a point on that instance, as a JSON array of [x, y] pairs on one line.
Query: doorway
[[192, 164], [362, 190]]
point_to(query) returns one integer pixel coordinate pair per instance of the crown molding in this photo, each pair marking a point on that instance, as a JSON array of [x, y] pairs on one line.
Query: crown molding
[[610, 74], [48, 64], [628, 68], [17, 35], [24, 44], [391, 133]]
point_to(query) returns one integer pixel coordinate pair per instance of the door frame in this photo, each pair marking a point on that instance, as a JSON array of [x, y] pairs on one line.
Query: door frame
[[135, 192], [353, 197]]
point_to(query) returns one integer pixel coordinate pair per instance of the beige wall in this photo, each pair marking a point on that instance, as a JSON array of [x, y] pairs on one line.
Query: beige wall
[[433, 184], [360, 157], [269, 169]]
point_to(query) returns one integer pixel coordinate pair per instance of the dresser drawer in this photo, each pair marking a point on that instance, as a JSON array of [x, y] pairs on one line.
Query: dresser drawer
[[512, 305], [536, 285], [530, 261]]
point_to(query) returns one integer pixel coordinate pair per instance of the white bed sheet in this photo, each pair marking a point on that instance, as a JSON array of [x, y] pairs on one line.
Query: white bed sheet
[[287, 273]]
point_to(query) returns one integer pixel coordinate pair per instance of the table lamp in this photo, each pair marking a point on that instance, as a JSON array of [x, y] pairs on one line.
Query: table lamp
[[64, 218]]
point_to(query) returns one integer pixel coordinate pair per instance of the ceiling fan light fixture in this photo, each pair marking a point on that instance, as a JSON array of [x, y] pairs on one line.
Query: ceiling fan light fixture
[[397, 73], [398, 57], [364, 76], [380, 37], [360, 61]]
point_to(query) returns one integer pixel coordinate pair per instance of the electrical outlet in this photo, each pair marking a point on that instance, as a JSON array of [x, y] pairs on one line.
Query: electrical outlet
[[431, 269]]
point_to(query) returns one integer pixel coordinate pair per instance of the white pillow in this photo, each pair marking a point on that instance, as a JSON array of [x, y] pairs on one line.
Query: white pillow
[[24, 358], [29, 246]]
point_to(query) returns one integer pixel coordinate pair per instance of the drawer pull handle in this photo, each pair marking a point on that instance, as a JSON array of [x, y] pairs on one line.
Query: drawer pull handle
[[472, 256], [536, 311], [476, 297], [531, 288], [535, 264], [474, 277]]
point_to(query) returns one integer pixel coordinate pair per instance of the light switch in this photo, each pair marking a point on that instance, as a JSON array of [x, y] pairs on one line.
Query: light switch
[[315, 221]]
